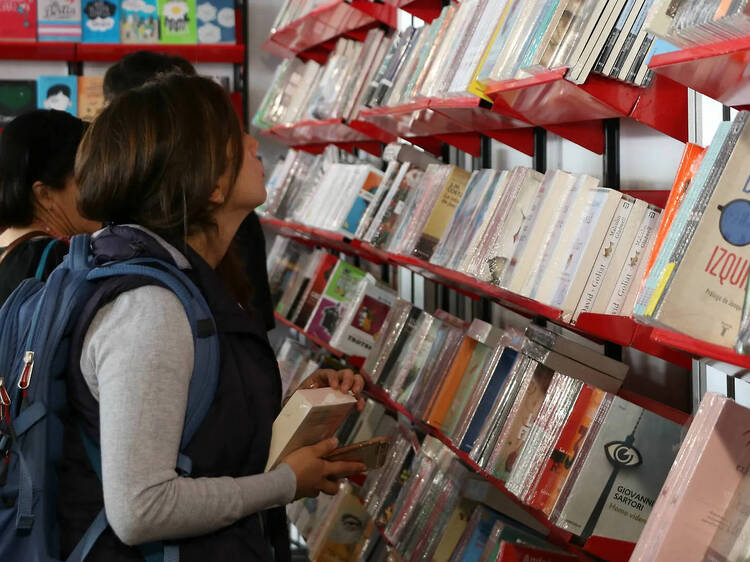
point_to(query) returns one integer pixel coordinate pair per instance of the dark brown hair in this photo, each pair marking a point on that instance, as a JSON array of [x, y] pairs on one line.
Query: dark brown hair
[[156, 153], [135, 69]]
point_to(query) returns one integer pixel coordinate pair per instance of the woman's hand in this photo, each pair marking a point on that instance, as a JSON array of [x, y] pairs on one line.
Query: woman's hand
[[344, 380], [315, 474]]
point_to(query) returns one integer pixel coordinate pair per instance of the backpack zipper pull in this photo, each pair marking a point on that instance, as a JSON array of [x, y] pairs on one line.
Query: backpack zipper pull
[[25, 380]]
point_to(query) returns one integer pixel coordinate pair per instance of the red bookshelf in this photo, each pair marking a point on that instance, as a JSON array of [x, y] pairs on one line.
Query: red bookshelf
[[34, 50], [699, 348], [308, 34], [575, 111], [95, 52], [718, 70]]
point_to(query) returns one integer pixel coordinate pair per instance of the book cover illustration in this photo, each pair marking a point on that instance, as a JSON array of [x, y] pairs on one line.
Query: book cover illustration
[[101, 21], [367, 193], [177, 21], [216, 21], [58, 20], [139, 21], [337, 295], [16, 97], [359, 337], [344, 531], [306, 306], [622, 474], [90, 96], [58, 92], [17, 20]]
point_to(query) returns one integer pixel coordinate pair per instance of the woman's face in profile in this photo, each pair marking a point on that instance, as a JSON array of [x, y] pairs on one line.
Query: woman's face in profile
[[249, 190]]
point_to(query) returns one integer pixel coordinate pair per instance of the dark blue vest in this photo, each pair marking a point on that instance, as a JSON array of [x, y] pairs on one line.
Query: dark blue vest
[[232, 441]]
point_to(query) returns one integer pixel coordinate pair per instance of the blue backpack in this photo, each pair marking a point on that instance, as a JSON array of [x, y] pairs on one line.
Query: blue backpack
[[36, 325]]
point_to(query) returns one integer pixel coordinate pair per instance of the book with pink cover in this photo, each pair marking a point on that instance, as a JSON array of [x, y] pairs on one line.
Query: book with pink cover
[[703, 510]]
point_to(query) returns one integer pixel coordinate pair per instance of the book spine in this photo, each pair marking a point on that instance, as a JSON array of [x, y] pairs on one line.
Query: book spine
[[606, 251], [636, 256]]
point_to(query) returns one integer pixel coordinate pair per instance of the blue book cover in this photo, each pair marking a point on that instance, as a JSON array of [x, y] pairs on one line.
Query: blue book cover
[[216, 21], [101, 21], [481, 533], [503, 368], [58, 92]]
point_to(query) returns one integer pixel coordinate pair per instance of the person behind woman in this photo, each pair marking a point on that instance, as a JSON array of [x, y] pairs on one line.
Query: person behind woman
[[168, 169], [37, 195]]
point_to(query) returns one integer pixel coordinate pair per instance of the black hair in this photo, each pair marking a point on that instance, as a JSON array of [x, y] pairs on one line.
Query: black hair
[[135, 69], [58, 89], [37, 146]]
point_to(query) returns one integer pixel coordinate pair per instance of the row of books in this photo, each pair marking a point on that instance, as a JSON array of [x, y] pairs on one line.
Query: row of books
[[462, 51], [557, 238], [688, 23], [335, 90], [82, 96], [118, 21], [428, 506], [539, 412], [697, 277]]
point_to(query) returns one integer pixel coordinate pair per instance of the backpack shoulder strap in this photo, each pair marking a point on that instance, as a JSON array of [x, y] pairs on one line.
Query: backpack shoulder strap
[[205, 377]]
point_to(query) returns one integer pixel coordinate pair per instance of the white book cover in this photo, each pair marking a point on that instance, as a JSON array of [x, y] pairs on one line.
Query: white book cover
[[586, 32], [635, 267], [306, 214], [502, 245], [583, 252], [547, 206], [604, 258], [309, 416], [621, 255], [572, 206], [555, 265]]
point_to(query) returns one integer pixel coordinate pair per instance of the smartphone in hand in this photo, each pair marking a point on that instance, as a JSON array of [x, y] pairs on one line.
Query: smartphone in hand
[[371, 453]]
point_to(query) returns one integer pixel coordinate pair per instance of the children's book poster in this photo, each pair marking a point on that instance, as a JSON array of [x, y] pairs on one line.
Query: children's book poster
[[101, 21], [139, 21], [216, 21], [177, 21]]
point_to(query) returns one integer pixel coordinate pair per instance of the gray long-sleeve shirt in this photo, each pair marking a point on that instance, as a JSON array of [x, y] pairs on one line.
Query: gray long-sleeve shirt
[[137, 361]]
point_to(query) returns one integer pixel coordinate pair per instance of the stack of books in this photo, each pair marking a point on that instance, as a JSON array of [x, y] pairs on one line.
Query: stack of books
[[557, 238], [119, 21], [699, 22], [697, 283]]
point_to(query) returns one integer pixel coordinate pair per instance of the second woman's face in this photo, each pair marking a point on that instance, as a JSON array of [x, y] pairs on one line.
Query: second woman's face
[[248, 191]]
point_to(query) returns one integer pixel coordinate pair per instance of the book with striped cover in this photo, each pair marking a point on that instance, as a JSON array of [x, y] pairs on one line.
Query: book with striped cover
[[59, 20]]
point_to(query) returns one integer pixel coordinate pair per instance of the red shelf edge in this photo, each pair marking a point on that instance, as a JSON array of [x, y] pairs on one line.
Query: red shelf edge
[[698, 348]]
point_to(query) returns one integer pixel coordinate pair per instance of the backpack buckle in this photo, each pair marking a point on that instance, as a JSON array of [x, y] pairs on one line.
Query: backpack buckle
[[4, 396], [28, 367]]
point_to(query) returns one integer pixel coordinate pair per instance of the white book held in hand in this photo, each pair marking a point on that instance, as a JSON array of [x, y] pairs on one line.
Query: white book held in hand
[[309, 416]]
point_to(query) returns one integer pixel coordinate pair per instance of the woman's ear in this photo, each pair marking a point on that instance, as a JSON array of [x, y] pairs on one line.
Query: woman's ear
[[217, 196], [42, 194]]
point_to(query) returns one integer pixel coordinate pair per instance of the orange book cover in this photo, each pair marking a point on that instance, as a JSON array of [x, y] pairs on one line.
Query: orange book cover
[[691, 161], [441, 402], [90, 96], [565, 451]]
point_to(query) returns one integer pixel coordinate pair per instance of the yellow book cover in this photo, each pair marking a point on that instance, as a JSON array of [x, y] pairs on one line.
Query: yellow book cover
[[90, 96], [453, 531], [476, 87], [440, 217]]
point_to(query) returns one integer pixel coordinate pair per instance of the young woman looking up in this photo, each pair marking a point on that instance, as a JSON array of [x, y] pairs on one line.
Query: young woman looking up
[[166, 167], [37, 195]]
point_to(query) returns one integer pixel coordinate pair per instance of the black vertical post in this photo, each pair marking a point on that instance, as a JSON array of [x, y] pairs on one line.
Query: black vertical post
[[485, 151], [540, 150], [611, 160], [241, 83], [611, 179], [726, 113], [445, 153]]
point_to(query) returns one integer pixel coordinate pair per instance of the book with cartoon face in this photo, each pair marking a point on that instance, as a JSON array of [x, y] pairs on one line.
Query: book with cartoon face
[[58, 92]]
